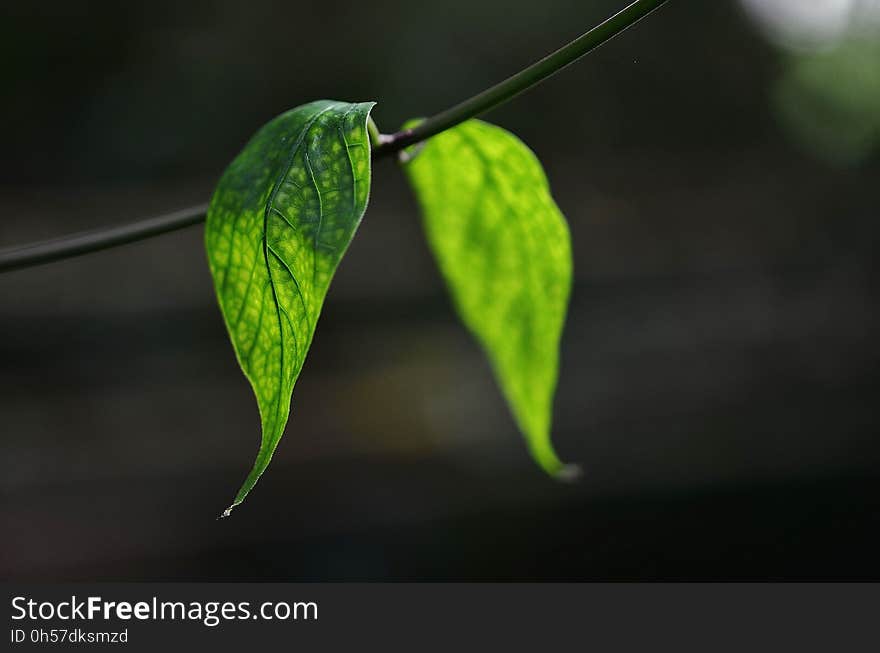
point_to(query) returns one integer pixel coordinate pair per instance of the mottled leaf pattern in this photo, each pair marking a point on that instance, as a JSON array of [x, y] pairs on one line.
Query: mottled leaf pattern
[[504, 250], [279, 222]]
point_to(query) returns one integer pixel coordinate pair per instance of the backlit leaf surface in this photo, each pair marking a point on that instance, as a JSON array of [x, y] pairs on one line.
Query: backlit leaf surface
[[279, 222], [504, 250]]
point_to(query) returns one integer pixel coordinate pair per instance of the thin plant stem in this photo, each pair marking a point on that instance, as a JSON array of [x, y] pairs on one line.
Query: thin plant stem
[[521, 81], [384, 145], [93, 241]]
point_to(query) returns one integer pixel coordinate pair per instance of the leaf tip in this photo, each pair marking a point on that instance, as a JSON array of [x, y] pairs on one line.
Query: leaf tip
[[544, 454], [569, 473]]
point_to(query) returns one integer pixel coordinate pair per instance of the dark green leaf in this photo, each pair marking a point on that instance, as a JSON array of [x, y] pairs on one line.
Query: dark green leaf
[[279, 222], [504, 249]]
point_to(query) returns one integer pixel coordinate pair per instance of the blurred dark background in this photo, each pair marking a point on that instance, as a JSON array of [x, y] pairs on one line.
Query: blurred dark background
[[718, 165]]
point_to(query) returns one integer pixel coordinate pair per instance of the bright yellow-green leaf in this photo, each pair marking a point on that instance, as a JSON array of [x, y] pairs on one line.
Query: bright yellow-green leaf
[[504, 250], [279, 222]]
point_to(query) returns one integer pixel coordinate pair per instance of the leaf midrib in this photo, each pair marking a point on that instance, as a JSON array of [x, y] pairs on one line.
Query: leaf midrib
[[270, 204]]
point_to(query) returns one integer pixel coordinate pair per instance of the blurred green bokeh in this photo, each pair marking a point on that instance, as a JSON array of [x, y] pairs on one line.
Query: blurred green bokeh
[[830, 101], [827, 97]]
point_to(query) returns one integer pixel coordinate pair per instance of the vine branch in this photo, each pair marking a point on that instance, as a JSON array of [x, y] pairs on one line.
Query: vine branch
[[93, 241], [521, 81]]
